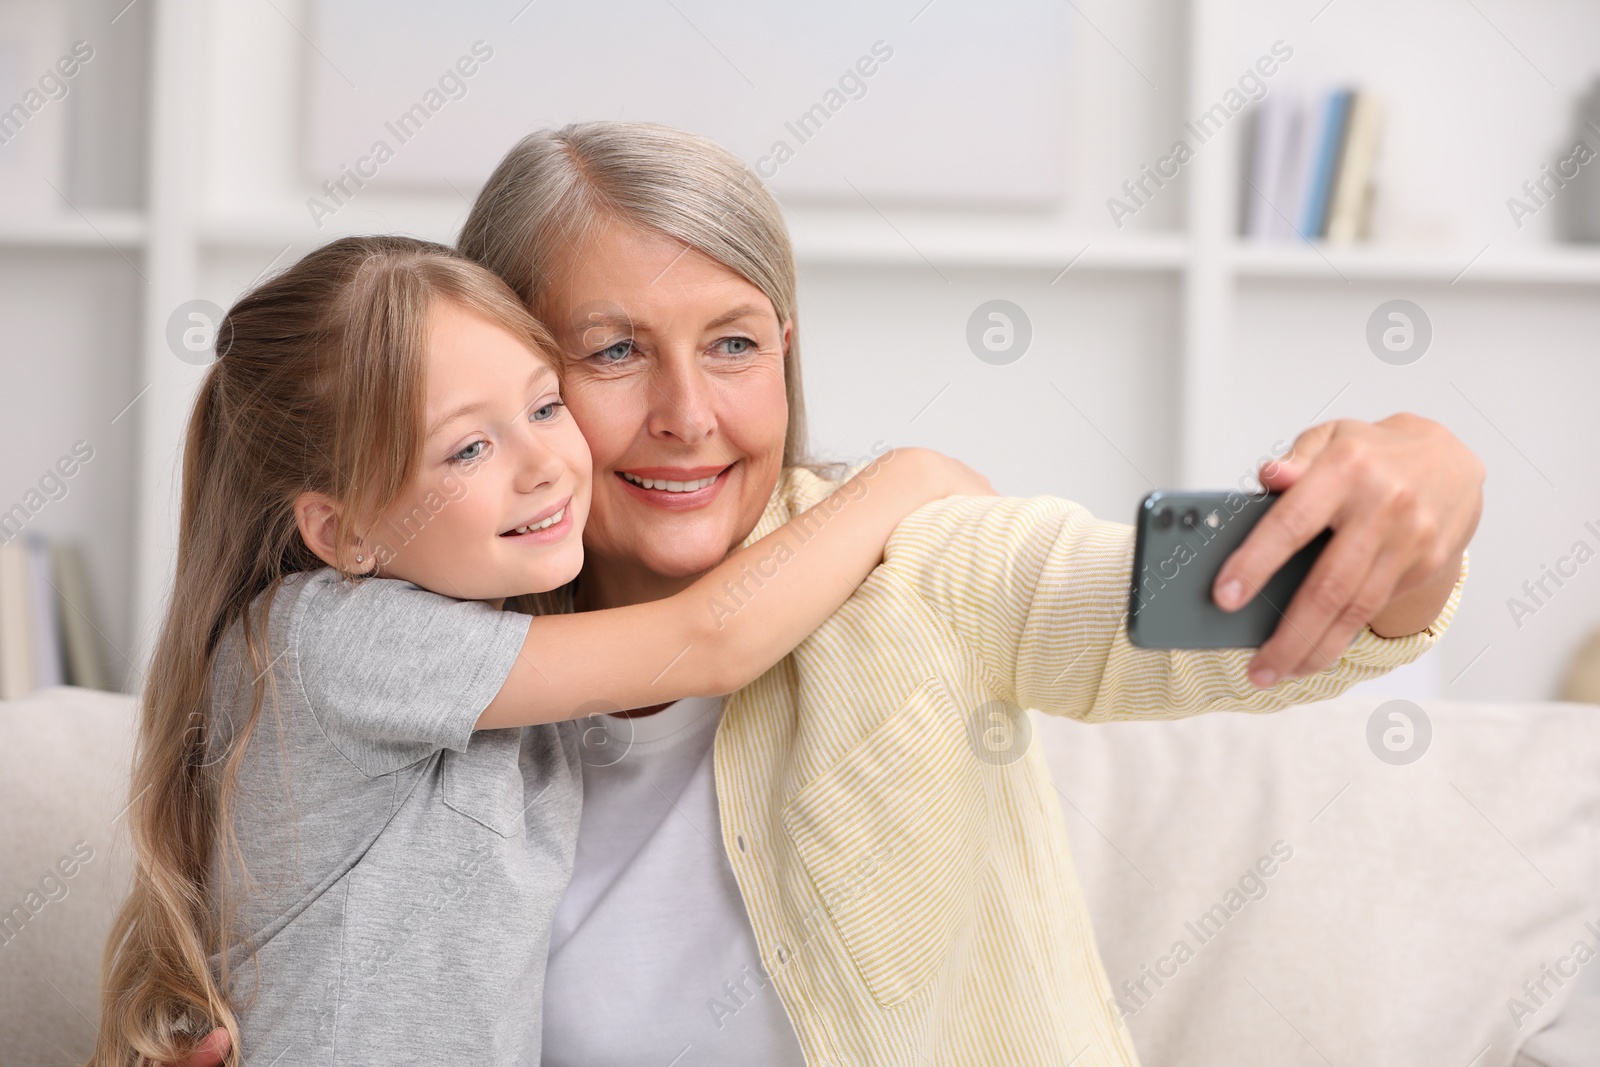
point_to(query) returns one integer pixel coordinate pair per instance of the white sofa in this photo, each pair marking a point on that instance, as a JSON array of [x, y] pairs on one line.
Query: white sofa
[[1414, 901]]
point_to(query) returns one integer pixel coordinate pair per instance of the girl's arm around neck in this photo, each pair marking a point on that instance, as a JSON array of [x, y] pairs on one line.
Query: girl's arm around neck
[[735, 621]]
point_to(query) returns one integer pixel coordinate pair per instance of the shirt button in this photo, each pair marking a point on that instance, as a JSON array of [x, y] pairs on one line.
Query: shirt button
[[738, 839]]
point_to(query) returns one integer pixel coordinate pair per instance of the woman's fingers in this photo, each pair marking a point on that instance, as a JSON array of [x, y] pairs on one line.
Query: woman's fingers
[[1328, 594], [1300, 514], [1375, 591], [1278, 475]]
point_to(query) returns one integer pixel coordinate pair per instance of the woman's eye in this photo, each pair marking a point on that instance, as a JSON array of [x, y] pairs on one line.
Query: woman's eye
[[615, 353], [546, 412], [737, 346], [471, 452]]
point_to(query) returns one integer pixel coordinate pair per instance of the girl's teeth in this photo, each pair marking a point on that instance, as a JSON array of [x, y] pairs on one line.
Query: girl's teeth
[[671, 487], [546, 524]]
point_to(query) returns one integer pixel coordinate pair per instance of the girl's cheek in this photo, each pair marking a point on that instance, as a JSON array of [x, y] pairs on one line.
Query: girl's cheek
[[454, 488]]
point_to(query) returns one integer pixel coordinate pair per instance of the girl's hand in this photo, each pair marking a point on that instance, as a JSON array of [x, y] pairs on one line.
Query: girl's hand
[[210, 1052], [1403, 497]]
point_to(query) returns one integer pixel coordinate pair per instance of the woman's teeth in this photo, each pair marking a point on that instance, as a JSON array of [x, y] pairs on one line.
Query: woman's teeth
[[671, 487], [545, 525]]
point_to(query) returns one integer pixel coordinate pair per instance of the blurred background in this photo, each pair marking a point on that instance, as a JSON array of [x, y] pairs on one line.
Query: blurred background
[[1092, 247]]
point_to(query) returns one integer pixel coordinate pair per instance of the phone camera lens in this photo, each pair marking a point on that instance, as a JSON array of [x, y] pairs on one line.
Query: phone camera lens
[[1164, 519], [1191, 519]]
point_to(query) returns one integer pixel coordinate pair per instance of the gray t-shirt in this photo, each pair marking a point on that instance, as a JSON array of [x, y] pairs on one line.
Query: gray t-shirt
[[403, 871]]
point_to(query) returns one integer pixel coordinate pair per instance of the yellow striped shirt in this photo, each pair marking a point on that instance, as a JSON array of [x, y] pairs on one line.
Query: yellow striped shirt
[[899, 847]]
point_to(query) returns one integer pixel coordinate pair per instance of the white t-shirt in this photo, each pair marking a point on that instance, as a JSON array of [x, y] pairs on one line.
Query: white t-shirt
[[652, 956]]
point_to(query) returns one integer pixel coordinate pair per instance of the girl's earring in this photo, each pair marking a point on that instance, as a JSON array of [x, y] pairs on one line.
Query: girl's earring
[[359, 557]]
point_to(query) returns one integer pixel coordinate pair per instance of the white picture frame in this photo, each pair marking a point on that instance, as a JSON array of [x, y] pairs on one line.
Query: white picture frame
[[948, 106]]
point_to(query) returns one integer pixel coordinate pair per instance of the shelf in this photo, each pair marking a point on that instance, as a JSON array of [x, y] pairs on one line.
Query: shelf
[[432, 219], [95, 229], [1576, 265], [833, 239], [821, 238], [841, 238], [1001, 242]]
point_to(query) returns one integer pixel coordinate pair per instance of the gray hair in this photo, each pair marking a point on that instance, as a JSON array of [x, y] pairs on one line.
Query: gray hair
[[556, 186]]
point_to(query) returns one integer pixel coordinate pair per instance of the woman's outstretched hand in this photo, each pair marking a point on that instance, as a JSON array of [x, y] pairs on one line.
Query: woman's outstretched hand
[[1403, 497]]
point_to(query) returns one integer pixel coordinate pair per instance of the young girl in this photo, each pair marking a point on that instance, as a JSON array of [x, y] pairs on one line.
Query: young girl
[[376, 460]]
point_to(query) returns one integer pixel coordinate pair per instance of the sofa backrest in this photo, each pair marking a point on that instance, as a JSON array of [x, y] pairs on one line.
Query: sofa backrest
[[64, 865], [1332, 903]]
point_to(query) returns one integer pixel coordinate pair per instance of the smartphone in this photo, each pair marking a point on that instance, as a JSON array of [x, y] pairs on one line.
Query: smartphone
[[1180, 543]]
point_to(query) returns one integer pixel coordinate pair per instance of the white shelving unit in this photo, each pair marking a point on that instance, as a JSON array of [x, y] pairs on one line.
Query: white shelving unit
[[226, 202]]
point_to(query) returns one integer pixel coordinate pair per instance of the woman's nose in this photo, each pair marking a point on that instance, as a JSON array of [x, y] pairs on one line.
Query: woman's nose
[[681, 402]]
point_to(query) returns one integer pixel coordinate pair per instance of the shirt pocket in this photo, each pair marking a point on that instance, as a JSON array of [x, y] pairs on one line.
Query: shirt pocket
[[892, 839], [484, 783]]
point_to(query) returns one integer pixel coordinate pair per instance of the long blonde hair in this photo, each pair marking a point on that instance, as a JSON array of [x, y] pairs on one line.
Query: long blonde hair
[[556, 186], [318, 386]]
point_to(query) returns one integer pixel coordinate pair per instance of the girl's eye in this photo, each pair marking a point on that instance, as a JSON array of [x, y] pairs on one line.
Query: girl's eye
[[737, 346], [467, 455], [615, 353], [546, 412]]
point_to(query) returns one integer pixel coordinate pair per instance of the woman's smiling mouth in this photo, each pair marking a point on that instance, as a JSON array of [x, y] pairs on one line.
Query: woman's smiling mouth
[[675, 487]]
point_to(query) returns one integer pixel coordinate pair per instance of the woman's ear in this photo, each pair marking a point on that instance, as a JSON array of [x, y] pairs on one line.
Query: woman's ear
[[788, 329], [317, 516]]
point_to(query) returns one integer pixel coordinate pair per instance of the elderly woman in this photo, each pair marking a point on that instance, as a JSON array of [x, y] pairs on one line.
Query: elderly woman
[[859, 859], [845, 862]]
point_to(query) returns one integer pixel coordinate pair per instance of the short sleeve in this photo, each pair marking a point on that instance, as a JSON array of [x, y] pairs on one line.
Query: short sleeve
[[392, 672]]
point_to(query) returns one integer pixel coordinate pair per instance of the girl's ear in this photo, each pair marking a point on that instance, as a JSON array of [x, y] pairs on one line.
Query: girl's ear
[[317, 516]]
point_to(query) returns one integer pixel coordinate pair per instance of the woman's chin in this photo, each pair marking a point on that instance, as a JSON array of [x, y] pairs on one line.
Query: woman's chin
[[674, 544], [685, 560]]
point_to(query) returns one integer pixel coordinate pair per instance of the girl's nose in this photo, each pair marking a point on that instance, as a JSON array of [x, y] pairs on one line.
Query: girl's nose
[[537, 464]]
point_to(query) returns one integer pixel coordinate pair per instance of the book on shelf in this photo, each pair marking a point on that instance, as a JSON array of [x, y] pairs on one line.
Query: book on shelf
[[47, 633], [1267, 193], [1309, 174]]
